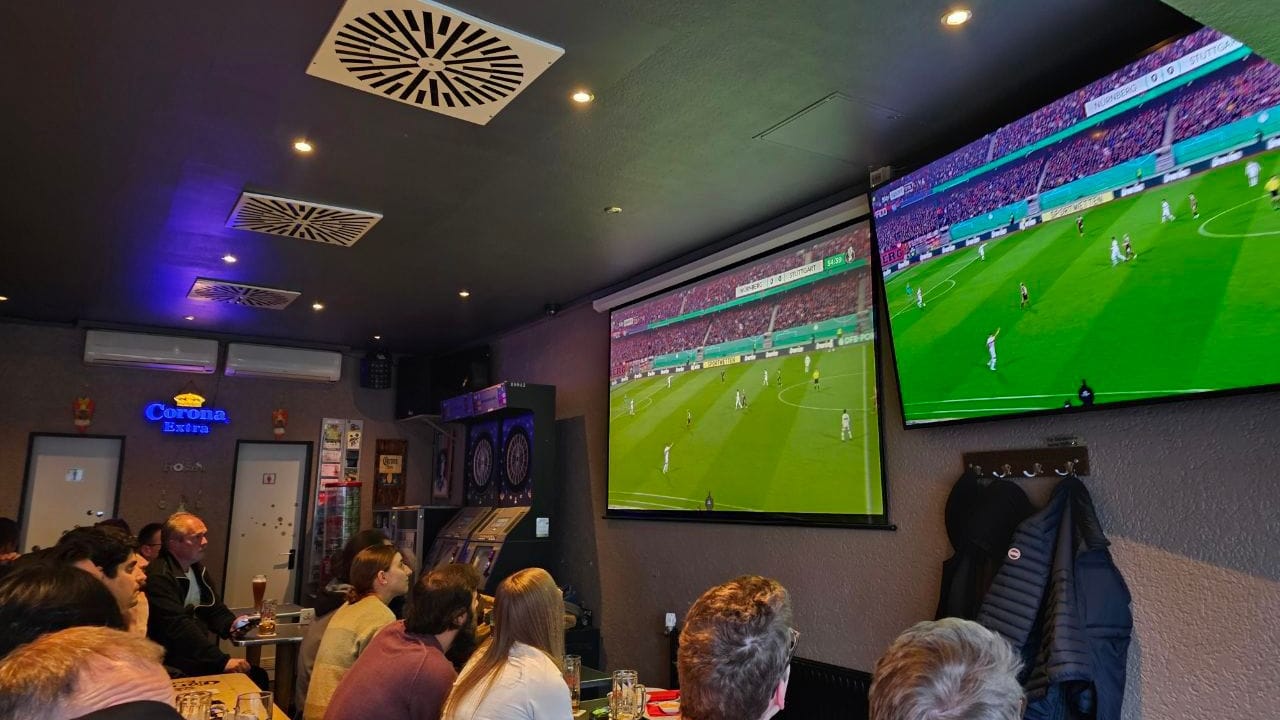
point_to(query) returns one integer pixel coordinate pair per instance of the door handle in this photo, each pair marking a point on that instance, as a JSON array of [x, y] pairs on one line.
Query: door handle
[[292, 556]]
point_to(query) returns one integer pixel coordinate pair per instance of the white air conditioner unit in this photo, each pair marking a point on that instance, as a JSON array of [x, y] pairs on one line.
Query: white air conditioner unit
[[156, 352], [281, 362]]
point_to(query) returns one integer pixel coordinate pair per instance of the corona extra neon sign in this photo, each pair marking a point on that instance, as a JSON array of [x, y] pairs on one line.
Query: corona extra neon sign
[[187, 415]]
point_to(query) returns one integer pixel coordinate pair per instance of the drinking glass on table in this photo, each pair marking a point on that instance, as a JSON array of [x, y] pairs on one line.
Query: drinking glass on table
[[259, 590], [253, 706], [194, 705], [267, 623], [573, 678], [623, 703]]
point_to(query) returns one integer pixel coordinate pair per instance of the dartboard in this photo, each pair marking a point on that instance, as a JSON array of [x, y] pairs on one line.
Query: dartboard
[[482, 462], [517, 458]]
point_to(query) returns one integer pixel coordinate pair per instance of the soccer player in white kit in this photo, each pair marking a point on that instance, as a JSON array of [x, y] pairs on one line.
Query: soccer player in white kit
[[737, 399], [766, 377], [669, 377], [1166, 214], [1116, 255], [846, 428], [991, 348], [806, 364], [982, 252], [919, 298], [666, 458], [1253, 171], [1191, 200], [631, 407]]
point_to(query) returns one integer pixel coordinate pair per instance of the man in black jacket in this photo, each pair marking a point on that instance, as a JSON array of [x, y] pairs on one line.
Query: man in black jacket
[[184, 607]]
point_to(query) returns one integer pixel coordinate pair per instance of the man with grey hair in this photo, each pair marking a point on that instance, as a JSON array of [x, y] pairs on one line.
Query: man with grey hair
[[185, 609], [735, 651], [947, 668]]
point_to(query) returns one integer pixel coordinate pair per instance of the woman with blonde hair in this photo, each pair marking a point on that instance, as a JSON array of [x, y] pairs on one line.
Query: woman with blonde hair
[[516, 674], [378, 575]]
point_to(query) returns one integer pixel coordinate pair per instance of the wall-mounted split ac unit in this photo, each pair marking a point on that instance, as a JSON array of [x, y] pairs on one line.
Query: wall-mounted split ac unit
[[278, 362], [155, 352]]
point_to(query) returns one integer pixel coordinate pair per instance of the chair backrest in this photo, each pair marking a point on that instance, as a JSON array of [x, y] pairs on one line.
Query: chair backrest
[[820, 691]]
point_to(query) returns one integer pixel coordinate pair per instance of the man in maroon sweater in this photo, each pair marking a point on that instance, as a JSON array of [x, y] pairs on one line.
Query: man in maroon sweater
[[403, 674]]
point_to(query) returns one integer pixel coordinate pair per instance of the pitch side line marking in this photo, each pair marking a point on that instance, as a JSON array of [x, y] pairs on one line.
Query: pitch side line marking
[[627, 493], [1208, 233], [1182, 391], [866, 437]]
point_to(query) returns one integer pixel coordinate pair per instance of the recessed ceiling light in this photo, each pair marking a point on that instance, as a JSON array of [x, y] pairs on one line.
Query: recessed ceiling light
[[188, 317], [302, 146], [228, 258], [4, 298], [464, 294], [956, 17], [317, 306], [582, 97], [377, 337], [613, 210]]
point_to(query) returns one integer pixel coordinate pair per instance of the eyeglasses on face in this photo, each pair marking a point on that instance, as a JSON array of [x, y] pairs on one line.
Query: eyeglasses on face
[[791, 647]]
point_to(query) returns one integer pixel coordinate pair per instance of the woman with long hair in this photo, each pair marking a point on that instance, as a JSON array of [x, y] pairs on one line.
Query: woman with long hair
[[516, 674], [379, 574]]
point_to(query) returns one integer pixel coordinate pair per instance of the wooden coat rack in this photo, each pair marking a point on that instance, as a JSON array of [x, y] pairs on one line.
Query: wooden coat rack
[[1029, 462]]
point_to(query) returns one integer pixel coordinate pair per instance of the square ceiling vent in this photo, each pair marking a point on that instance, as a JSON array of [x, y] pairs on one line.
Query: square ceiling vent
[[430, 56], [301, 219], [233, 293]]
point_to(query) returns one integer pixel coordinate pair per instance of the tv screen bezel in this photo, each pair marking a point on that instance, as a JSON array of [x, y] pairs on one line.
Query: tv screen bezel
[[1074, 410], [842, 520]]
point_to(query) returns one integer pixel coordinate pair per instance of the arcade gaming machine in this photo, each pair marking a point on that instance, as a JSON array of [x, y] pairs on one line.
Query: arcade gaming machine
[[508, 463]]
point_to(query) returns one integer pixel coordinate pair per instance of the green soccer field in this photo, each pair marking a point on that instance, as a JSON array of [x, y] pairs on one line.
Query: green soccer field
[[782, 453], [1196, 309]]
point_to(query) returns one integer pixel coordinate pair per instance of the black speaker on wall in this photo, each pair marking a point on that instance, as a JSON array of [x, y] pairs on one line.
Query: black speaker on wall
[[413, 388], [423, 383], [460, 372]]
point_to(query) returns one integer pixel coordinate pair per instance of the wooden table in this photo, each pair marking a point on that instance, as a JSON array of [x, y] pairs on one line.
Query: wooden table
[[287, 639], [225, 689]]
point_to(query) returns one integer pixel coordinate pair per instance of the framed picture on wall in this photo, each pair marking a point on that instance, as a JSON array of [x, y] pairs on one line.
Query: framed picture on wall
[[441, 488]]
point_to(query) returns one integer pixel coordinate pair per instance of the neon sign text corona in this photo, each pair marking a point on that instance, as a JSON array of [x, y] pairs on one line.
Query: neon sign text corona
[[187, 416]]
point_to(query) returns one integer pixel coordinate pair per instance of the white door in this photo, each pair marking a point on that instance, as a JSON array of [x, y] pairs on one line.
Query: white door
[[70, 481], [267, 509]]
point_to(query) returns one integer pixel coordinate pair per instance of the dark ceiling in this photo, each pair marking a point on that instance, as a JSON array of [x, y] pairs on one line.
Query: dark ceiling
[[132, 127]]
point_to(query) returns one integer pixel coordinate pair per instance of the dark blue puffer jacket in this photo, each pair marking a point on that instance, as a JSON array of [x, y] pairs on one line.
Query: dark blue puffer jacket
[[1062, 604]]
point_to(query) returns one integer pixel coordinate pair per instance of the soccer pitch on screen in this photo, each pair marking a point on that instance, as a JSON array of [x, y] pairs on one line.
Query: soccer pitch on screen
[[1196, 309], [781, 453]]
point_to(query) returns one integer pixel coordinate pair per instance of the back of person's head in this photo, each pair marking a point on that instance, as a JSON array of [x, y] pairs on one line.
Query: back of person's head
[[366, 566], [440, 597], [528, 608], [148, 532], [117, 523], [735, 650], [77, 671], [41, 597], [949, 668], [8, 535], [358, 542], [108, 547]]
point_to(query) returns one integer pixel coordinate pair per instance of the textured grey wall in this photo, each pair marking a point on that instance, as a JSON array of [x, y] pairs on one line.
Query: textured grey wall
[[41, 373], [1187, 492]]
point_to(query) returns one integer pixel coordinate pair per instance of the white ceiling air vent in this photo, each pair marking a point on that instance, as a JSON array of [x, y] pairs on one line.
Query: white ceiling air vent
[[280, 362], [430, 56], [301, 219], [232, 293], [156, 352]]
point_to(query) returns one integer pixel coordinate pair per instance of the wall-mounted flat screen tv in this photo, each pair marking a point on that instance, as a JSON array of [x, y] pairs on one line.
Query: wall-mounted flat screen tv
[[749, 395], [1119, 245]]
